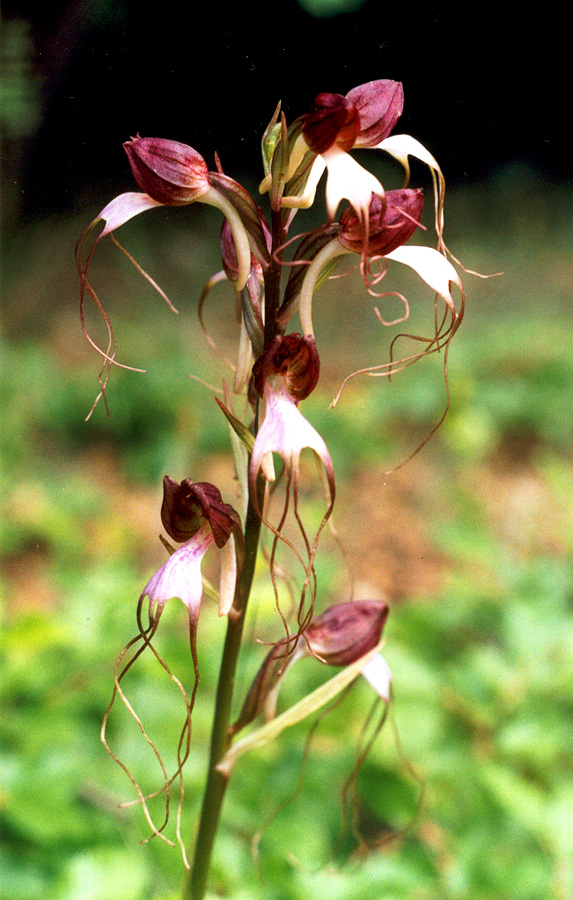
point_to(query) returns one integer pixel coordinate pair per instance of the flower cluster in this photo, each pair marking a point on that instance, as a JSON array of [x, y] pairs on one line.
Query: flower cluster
[[277, 368]]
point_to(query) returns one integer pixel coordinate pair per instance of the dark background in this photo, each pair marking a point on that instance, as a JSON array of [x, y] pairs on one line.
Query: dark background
[[483, 91]]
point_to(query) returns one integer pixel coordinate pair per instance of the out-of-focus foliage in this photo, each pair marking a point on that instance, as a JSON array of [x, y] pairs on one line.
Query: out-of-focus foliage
[[471, 540]]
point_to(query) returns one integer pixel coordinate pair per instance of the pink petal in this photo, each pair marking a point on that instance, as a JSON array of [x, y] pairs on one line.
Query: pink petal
[[181, 575], [123, 208]]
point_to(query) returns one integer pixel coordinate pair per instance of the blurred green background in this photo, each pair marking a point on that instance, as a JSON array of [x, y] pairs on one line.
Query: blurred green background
[[467, 793]]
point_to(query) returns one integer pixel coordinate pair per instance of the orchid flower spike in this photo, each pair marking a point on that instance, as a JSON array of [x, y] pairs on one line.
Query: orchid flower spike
[[286, 373], [337, 124]]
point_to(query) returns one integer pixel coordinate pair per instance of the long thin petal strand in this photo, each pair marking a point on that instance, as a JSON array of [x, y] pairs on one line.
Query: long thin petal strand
[[432, 267], [123, 208]]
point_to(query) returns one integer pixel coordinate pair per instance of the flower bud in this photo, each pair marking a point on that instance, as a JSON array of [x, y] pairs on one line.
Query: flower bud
[[347, 631], [186, 506], [169, 172], [332, 120], [293, 358], [391, 222], [379, 105]]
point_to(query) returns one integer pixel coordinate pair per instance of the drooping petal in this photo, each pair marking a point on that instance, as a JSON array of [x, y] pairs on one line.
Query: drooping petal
[[123, 208], [401, 147], [312, 279], [377, 672], [432, 267], [228, 577], [181, 575], [285, 431], [213, 197]]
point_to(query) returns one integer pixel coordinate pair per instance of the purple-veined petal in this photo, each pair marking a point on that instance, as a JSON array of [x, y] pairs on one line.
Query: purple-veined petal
[[432, 267], [379, 105], [123, 208]]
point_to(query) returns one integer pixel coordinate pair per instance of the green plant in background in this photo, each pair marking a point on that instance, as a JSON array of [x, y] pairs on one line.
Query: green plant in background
[[275, 370]]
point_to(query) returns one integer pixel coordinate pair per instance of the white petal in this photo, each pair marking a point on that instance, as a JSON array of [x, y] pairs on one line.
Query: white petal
[[348, 180], [306, 199], [123, 208], [377, 672], [401, 146], [329, 252], [432, 267], [228, 578]]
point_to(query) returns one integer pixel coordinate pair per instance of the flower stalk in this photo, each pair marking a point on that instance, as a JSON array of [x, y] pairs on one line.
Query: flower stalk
[[196, 880]]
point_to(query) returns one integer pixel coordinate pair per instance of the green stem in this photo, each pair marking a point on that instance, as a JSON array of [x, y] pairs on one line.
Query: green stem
[[196, 882]]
